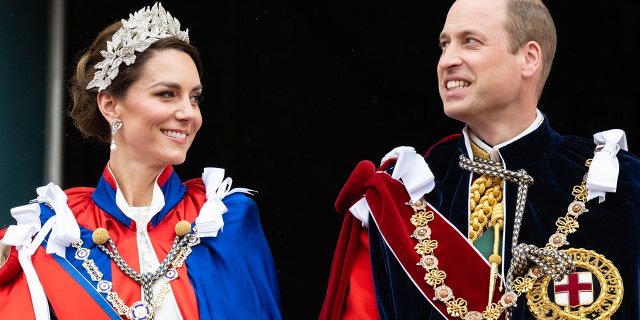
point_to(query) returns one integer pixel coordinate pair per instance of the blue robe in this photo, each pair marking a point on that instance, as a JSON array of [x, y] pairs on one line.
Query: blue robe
[[229, 276]]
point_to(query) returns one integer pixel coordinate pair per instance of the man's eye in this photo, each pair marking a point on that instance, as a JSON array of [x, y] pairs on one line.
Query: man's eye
[[470, 41]]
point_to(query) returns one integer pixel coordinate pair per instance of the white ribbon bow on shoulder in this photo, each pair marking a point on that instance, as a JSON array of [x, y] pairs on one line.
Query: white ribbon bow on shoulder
[[412, 170], [64, 231], [604, 169], [64, 227], [209, 221]]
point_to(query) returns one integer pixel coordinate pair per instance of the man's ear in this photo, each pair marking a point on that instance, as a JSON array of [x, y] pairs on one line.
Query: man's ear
[[532, 59], [107, 105]]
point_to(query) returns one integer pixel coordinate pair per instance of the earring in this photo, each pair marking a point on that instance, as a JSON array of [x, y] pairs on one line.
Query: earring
[[116, 124]]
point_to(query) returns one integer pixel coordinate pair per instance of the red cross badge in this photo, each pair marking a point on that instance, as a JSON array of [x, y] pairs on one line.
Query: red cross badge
[[575, 289], [573, 296]]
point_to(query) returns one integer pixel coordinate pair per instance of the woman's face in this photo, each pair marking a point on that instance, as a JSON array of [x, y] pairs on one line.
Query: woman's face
[[160, 112]]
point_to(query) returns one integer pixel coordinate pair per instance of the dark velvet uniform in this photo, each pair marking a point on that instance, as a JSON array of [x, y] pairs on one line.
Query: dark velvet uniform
[[557, 164]]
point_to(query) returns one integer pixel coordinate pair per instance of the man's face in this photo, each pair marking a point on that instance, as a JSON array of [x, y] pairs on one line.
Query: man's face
[[478, 78]]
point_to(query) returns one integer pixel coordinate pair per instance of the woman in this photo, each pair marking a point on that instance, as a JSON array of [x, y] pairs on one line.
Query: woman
[[142, 244]]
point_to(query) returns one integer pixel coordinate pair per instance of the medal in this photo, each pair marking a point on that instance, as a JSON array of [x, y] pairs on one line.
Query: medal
[[573, 296]]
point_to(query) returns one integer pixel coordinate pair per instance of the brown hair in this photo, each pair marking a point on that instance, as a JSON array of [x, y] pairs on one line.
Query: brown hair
[[530, 20], [84, 108]]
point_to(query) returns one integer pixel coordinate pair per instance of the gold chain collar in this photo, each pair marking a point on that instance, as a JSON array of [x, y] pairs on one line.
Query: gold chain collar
[[457, 307]]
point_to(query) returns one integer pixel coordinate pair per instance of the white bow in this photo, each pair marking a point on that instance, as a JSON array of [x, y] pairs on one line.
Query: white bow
[[412, 170], [209, 221], [28, 218], [604, 169], [65, 230]]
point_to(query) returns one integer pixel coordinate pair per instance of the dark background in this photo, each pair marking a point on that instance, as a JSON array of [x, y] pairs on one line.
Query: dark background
[[297, 93]]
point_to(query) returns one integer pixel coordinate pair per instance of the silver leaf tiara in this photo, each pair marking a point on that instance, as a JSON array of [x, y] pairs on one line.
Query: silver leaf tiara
[[136, 34]]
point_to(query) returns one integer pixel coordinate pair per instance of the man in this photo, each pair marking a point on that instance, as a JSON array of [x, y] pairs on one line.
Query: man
[[508, 219]]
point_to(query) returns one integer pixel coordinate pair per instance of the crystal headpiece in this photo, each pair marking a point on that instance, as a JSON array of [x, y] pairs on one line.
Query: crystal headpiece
[[136, 34]]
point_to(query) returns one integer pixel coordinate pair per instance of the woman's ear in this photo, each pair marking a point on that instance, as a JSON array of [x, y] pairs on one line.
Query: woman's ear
[[107, 105], [532, 54]]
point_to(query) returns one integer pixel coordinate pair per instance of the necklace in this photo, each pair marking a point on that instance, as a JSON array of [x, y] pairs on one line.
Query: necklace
[[547, 261], [144, 309]]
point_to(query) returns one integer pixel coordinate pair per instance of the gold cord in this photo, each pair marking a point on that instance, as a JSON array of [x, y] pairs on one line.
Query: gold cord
[[487, 211], [485, 205]]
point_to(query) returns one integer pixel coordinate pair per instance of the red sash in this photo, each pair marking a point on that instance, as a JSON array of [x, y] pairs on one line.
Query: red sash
[[467, 271]]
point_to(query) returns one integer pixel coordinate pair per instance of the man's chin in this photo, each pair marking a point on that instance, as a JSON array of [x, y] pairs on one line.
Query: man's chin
[[456, 111]]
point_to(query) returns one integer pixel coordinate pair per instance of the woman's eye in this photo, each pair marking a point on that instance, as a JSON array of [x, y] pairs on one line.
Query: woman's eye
[[197, 99], [166, 94]]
